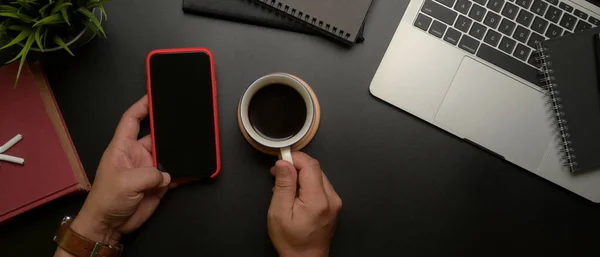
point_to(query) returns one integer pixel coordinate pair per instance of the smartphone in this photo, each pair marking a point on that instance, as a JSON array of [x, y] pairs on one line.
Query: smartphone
[[183, 112]]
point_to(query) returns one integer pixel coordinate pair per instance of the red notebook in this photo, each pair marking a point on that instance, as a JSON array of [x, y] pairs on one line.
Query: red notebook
[[52, 168]]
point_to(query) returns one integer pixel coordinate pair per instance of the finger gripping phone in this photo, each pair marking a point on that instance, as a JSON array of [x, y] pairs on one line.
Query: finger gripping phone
[[183, 112]]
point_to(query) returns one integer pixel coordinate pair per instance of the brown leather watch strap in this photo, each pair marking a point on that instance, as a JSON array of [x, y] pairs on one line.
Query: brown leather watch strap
[[77, 245]]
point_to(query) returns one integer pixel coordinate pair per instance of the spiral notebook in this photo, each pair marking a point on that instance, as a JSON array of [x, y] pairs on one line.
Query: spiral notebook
[[250, 12], [340, 19], [569, 72], [244, 11]]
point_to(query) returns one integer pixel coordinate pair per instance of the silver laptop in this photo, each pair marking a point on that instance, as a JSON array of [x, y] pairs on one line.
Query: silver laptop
[[468, 67]]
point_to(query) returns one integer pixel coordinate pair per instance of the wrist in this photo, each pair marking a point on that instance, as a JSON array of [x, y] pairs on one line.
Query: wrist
[[94, 229]]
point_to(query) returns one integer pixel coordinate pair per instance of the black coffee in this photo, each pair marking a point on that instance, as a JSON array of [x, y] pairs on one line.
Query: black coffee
[[277, 112]]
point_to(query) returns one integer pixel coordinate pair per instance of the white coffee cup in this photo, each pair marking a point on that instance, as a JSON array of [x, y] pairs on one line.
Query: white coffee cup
[[281, 79]]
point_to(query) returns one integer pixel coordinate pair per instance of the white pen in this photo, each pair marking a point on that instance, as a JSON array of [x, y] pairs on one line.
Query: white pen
[[8, 145]]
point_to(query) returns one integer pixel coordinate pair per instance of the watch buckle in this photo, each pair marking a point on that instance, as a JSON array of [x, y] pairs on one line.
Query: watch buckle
[[98, 245], [96, 249]]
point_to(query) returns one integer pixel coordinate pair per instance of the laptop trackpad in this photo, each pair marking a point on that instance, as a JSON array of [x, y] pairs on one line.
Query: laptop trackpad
[[498, 113]]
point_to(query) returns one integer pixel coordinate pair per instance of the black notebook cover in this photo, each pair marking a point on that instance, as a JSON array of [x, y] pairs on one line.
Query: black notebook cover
[[248, 11], [570, 74], [340, 19], [243, 11]]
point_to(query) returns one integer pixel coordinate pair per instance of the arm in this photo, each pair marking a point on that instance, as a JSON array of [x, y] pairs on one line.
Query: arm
[[127, 188]]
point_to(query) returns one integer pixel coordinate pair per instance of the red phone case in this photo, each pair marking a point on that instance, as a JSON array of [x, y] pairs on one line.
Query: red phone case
[[214, 95]]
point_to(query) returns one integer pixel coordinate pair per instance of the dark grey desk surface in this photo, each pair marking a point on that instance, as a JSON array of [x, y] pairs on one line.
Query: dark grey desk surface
[[409, 189]]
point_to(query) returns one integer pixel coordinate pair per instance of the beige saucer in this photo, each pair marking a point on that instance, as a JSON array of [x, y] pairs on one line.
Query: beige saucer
[[312, 131]]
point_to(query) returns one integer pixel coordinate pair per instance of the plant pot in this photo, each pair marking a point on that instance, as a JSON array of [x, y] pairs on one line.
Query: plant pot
[[80, 39]]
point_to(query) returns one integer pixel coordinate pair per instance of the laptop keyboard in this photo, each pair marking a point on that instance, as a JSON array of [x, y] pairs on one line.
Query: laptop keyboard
[[502, 32]]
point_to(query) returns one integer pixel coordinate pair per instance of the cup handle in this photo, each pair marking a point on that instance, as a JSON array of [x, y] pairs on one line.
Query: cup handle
[[286, 155]]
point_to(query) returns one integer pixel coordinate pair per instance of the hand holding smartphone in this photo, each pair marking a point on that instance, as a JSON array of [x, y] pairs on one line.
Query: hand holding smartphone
[[183, 112]]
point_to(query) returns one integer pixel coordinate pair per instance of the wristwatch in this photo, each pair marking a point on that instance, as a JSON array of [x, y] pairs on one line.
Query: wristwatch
[[77, 245]]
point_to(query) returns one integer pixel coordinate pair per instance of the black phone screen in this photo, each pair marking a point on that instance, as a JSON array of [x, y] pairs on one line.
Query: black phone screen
[[184, 125]]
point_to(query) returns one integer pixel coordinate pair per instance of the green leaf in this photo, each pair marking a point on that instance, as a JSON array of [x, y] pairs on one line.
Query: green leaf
[[62, 44], [17, 15], [26, 18], [24, 4], [10, 15], [32, 2], [23, 55], [94, 4], [88, 24], [38, 38], [65, 16], [59, 2], [103, 12], [19, 27], [42, 10], [93, 19], [58, 7], [8, 8], [22, 36], [52, 19]]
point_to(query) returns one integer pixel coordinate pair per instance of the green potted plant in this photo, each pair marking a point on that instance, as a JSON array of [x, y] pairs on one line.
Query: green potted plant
[[49, 25]]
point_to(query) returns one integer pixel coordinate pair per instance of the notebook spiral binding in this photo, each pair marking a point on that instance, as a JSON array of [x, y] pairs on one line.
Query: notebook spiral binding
[[554, 101], [313, 21]]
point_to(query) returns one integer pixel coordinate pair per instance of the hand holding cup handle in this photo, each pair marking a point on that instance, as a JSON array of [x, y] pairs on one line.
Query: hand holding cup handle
[[302, 217]]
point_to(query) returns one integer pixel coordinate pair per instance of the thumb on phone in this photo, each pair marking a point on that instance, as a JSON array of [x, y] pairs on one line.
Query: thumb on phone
[[284, 192], [142, 179]]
